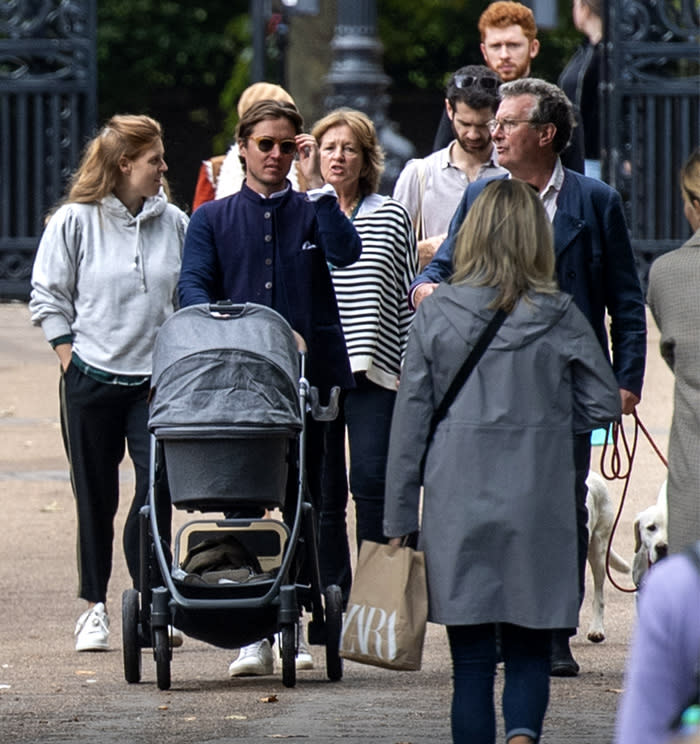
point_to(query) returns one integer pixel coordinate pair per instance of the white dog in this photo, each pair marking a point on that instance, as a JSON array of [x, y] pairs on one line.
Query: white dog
[[650, 536], [601, 517]]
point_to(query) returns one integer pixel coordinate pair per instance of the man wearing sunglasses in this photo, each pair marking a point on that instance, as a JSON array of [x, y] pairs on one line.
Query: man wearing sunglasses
[[273, 246], [508, 45], [594, 261], [430, 188]]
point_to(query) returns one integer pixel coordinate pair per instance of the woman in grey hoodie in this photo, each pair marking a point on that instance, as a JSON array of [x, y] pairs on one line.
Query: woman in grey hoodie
[[498, 523], [103, 282]]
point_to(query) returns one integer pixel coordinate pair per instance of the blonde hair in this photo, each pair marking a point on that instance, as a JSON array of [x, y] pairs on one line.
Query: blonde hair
[[690, 177], [261, 92], [363, 129], [506, 242], [123, 136]]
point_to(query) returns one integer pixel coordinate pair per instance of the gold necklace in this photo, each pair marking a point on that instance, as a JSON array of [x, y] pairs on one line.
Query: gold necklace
[[349, 211]]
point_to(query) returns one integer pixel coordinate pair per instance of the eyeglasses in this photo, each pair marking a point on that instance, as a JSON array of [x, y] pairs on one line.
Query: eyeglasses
[[265, 144], [466, 81], [507, 125]]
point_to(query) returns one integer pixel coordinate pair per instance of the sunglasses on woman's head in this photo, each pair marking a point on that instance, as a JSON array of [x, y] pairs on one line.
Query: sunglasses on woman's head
[[265, 144], [466, 81]]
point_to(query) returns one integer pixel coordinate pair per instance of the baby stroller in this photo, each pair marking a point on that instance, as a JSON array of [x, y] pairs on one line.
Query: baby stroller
[[227, 412]]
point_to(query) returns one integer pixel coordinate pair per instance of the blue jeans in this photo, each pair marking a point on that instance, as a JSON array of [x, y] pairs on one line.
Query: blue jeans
[[525, 653], [366, 411]]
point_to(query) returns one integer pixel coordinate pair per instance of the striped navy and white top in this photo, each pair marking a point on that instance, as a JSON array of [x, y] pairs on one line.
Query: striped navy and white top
[[372, 292]]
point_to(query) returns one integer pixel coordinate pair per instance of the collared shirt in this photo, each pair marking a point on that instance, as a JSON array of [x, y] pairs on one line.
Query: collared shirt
[[550, 193], [312, 194], [431, 188]]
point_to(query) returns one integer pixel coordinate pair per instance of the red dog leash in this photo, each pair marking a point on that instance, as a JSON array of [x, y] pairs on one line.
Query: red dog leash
[[620, 470]]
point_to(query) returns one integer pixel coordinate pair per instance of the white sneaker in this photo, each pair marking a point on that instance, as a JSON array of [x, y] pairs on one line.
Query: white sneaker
[[92, 629], [303, 660], [177, 637], [254, 660]]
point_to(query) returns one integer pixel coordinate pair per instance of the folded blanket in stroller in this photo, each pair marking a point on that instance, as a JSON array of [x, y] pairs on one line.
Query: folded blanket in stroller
[[224, 560]]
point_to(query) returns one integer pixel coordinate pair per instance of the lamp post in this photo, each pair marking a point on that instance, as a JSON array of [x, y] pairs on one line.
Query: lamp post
[[357, 80]]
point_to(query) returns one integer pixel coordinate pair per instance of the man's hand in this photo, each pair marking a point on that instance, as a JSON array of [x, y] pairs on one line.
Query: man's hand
[[309, 160], [629, 401], [427, 248], [421, 292]]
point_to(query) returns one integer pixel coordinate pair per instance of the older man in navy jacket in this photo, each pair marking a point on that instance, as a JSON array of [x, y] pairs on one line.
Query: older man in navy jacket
[[594, 259]]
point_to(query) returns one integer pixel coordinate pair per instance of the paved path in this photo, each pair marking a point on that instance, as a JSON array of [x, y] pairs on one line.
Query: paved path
[[50, 694]]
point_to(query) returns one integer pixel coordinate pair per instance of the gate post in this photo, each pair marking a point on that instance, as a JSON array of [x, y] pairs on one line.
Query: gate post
[[48, 109]]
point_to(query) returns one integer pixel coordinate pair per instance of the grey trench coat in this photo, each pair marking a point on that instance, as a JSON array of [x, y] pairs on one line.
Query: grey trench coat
[[674, 300], [498, 522]]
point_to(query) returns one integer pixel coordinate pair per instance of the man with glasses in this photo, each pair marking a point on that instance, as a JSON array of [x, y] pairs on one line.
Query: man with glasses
[[271, 245], [509, 43], [594, 260], [430, 188]]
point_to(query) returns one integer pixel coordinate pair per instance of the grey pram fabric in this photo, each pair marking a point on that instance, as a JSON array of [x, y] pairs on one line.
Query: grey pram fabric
[[227, 376]]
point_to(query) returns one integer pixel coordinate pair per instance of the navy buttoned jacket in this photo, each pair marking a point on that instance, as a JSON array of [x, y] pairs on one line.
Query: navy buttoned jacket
[[276, 252], [594, 263]]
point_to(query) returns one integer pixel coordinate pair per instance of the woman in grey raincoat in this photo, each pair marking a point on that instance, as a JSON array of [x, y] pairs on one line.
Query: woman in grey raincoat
[[498, 523]]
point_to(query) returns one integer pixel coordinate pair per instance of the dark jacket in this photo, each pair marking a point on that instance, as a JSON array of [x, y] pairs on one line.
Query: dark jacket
[[594, 264], [275, 252]]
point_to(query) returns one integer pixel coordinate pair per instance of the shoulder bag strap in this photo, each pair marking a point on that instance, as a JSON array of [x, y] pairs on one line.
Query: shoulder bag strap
[[461, 377]]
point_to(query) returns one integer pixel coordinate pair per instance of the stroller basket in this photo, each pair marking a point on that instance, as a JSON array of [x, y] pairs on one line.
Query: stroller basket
[[214, 474]]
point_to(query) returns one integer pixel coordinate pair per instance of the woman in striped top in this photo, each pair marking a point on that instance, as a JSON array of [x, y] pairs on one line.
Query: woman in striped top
[[374, 312]]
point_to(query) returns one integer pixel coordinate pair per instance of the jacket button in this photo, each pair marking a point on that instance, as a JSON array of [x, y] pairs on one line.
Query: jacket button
[[268, 285], [267, 215], [268, 238], [268, 262], [571, 275]]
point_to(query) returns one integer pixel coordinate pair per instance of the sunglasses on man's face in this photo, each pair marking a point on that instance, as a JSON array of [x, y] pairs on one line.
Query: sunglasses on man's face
[[265, 144], [466, 81]]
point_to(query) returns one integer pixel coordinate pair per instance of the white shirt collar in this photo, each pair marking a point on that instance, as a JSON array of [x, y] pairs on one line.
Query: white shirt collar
[[550, 193]]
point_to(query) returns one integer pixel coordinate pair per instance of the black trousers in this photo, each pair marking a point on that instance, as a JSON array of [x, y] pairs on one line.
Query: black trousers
[[99, 421]]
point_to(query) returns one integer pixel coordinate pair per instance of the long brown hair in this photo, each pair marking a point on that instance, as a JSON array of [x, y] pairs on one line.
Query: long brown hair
[[124, 135], [506, 242]]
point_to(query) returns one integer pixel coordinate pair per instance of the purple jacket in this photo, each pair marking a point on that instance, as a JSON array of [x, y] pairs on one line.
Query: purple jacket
[[661, 670]]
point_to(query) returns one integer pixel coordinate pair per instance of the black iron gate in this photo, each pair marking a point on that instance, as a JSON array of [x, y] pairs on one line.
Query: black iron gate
[[48, 99], [651, 115]]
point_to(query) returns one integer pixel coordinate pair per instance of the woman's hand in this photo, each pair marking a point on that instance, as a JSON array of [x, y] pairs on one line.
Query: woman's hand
[[64, 352], [309, 160]]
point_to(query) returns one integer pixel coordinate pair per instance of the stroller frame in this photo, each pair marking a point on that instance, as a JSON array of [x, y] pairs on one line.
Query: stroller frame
[[218, 614]]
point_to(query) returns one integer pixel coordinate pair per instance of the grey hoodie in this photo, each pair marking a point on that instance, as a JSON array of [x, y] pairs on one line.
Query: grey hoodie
[[108, 278]]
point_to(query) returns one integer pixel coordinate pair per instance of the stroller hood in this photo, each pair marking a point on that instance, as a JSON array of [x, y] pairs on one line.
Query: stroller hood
[[225, 373]]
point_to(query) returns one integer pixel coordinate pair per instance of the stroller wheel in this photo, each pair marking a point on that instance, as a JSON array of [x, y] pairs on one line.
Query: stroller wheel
[[334, 627], [131, 646], [289, 650], [161, 649]]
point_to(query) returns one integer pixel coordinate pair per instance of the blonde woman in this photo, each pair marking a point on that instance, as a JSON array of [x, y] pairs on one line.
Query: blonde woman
[[500, 470], [103, 282]]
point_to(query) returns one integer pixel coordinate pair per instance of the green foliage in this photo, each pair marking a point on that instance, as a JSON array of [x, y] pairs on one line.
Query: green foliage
[[425, 40], [156, 49]]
